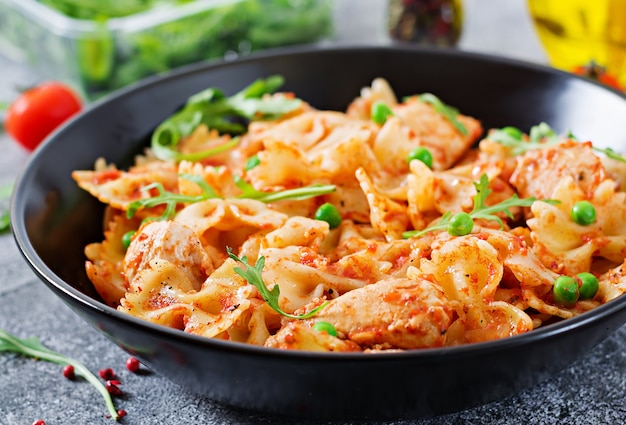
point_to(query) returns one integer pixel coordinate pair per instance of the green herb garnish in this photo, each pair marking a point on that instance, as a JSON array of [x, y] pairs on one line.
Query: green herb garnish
[[462, 223], [171, 200], [227, 115], [540, 136], [448, 112], [298, 194], [253, 275], [252, 162], [31, 347], [610, 153]]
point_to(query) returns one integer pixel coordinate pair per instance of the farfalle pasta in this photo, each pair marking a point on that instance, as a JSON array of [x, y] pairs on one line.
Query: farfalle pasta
[[219, 230]]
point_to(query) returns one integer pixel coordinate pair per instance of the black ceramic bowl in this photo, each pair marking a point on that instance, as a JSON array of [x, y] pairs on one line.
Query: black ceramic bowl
[[53, 220]]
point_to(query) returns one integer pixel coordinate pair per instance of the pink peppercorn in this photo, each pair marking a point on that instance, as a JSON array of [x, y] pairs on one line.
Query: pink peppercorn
[[132, 364], [121, 413], [112, 387], [106, 374], [68, 371]]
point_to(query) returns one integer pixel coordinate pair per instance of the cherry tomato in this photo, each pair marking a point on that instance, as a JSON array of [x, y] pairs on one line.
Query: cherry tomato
[[37, 111]]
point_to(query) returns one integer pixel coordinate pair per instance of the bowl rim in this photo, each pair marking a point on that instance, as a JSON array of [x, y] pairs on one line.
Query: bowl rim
[[54, 282]]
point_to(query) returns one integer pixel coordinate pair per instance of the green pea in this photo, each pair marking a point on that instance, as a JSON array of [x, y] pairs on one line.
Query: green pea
[[252, 162], [330, 214], [325, 327], [422, 154], [379, 112], [461, 224], [565, 291], [589, 285], [127, 238], [583, 213]]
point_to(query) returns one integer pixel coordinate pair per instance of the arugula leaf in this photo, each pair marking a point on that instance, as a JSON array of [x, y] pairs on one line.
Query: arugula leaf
[[483, 211], [297, 194], [31, 347], [171, 200], [227, 115], [167, 153], [480, 210], [540, 136], [448, 112], [252, 274], [610, 153]]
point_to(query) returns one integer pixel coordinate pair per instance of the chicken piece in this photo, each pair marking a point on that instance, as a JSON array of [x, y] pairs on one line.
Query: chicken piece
[[538, 172], [395, 313], [169, 241]]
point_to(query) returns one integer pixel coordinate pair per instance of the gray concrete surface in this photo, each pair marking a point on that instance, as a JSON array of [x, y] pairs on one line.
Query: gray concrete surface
[[590, 391]]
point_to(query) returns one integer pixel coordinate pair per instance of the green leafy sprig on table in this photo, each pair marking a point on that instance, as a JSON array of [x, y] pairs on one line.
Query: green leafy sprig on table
[[171, 200], [540, 136], [252, 274], [5, 194], [462, 223], [227, 115], [31, 347]]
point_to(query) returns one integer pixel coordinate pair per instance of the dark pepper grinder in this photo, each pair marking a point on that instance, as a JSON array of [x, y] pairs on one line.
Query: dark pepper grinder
[[431, 22]]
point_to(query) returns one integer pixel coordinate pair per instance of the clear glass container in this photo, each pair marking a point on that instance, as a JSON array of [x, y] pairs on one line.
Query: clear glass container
[[101, 55]]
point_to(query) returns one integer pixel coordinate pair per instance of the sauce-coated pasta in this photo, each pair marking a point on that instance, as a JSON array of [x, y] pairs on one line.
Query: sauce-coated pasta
[[381, 279]]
